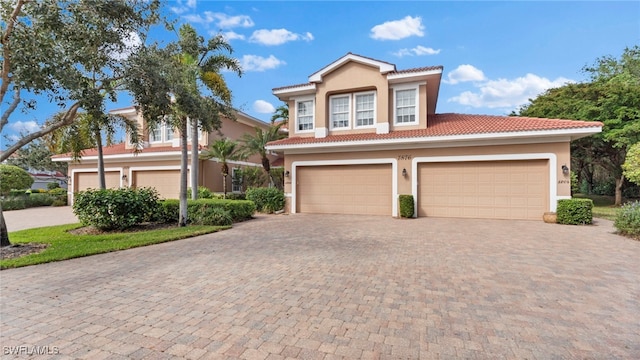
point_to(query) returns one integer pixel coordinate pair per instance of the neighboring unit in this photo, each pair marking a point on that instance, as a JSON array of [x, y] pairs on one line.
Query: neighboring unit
[[157, 164], [361, 133]]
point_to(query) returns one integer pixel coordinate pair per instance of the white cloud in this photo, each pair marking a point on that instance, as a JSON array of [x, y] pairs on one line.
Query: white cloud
[[398, 29], [13, 137], [24, 126], [507, 93], [259, 63], [417, 51], [263, 107], [183, 6], [464, 73], [131, 42], [230, 35], [277, 36], [220, 20]]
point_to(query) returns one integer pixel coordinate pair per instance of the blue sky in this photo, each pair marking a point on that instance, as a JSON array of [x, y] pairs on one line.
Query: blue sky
[[496, 55]]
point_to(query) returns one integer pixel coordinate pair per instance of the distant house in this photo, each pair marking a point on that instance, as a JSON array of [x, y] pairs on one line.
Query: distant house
[[157, 164], [362, 132], [41, 179]]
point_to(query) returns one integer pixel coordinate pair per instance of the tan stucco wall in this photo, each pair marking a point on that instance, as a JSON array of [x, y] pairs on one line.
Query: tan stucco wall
[[405, 157]]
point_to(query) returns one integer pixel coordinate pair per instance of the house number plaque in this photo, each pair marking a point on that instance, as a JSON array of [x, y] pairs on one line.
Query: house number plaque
[[404, 157]]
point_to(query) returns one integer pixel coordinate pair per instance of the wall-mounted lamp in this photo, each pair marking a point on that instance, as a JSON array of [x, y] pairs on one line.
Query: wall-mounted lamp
[[124, 177], [404, 172], [565, 169], [286, 173]]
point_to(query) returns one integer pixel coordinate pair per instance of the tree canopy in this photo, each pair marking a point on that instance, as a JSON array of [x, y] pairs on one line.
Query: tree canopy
[[611, 96]]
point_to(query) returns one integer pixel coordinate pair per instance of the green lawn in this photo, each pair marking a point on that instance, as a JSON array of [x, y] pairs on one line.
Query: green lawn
[[602, 206], [64, 245]]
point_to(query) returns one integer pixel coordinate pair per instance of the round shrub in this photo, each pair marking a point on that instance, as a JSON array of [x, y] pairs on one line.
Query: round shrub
[[116, 209], [53, 185], [267, 200], [13, 177], [575, 211], [628, 219], [406, 206]]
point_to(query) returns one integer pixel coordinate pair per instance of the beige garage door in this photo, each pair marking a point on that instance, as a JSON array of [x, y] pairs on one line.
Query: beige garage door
[[344, 189], [89, 180], [484, 189], [167, 182]]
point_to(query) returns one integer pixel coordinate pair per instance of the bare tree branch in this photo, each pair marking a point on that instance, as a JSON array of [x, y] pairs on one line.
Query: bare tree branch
[[14, 104]]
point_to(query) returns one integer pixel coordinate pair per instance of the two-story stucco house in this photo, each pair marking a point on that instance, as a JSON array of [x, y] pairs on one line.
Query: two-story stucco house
[[362, 132], [157, 164]]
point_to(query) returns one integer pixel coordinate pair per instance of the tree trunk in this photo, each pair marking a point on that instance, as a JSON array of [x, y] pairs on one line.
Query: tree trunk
[[4, 233], [194, 159], [182, 219], [619, 183], [101, 178], [224, 186]]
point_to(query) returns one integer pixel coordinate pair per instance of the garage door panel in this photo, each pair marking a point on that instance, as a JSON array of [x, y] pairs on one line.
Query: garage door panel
[[166, 182], [344, 189], [484, 189], [89, 180]]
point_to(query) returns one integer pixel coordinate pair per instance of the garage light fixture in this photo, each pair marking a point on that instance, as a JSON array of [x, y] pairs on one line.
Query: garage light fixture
[[404, 172], [286, 173], [124, 177], [565, 169]]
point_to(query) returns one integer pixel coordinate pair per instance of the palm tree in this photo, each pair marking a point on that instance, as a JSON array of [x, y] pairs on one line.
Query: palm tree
[[183, 84], [256, 144], [88, 131], [223, 150], [281, 113]]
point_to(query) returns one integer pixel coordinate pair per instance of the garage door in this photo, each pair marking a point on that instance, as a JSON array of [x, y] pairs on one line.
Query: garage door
[[344, 189], [484, 189], [89, 180], [167, 182]]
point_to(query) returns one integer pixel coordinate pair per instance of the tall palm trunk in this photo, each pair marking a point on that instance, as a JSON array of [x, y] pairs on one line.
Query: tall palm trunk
[[225, 172], [194, 159], [101, 178], [182, 219]]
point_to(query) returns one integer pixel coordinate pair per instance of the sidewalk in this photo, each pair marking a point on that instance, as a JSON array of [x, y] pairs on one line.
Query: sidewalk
[[39, 217]]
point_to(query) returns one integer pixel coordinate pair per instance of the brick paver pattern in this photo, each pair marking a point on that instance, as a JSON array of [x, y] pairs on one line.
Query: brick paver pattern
[[340, 287]]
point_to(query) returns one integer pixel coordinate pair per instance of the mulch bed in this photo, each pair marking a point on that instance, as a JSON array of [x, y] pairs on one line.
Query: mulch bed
[[18, 250]]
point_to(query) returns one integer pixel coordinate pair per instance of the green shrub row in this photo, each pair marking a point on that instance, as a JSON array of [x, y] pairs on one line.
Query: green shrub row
[[628, 219], [116, 209], [575, 211], [202, 211], [406, 206], [35, 200], [205, 193], [267, 200]]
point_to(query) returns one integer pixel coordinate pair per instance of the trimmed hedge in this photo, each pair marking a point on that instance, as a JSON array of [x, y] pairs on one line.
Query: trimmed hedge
[[628, 219], [575, 211], [116, 209], [237, 210], [267, 200], [406, 206]]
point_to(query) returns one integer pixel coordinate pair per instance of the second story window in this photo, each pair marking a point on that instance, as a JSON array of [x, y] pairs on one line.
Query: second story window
[[365, 109], [406, 108], [189, 131], [162, 133], [340, 111], [304, 115]]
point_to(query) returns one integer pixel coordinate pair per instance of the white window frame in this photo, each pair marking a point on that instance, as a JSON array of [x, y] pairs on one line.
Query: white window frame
[[163, 132], [416, 88], [235, 189], [348, 112], [355, 109], [313, 114], [189, 131]]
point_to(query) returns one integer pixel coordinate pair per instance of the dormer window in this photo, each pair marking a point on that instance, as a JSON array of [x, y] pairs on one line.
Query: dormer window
[[406, 105], [304, 115], [340, 109], [161, 133]]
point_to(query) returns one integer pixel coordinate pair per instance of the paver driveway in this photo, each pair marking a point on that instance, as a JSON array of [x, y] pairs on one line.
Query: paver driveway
[[326, 287]]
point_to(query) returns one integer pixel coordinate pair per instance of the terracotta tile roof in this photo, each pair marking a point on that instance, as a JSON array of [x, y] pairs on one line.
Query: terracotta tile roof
[[455, 124], [418, 69], [118, 149]]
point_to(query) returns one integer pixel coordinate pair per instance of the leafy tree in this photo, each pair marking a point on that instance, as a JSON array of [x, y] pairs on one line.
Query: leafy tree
[[257, 143], [223, 150], [168, 84], [611, 96], [13, 177], [631, 165], [281, 113], [68, 50], [36, 156]]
